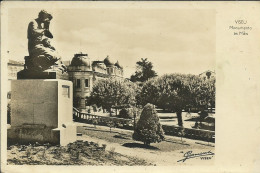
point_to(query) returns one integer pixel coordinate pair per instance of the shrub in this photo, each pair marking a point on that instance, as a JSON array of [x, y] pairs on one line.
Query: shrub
[[125, 113], [149, 129]]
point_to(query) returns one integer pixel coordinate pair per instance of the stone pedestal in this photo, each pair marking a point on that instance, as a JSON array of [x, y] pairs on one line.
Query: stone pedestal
[[41, 111], [47, 74]]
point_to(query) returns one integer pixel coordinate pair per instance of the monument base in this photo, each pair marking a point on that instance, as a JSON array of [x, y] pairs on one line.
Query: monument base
[[32, 133], [41, 111]]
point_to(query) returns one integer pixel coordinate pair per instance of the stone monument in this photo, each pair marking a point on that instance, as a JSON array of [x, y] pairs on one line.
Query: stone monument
[[41, 103], [43, 61]]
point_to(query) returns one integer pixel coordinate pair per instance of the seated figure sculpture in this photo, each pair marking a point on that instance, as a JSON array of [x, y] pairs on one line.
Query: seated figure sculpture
[[42, 55]]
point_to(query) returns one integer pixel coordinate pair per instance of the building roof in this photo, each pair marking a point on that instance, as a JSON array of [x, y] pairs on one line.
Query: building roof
[[108, 61], [80, 59], [118, 65], [99, 64]]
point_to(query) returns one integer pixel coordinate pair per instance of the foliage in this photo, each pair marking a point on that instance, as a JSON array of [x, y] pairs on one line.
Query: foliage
[[94, 107], [111, 92], [144, 71], [125, 113], [175, 92], [202, 116], [129, 113], [149, 129], [76, 102], [202, 92]]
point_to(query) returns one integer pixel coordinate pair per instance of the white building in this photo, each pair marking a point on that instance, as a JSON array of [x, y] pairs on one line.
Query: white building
[[13, 67], [83, 73]]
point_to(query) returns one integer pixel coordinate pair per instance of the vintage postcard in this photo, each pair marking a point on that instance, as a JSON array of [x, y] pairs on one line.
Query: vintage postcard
[[130, 86]]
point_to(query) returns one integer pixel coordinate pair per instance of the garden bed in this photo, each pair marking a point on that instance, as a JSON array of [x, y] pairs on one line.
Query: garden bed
[[77, 153]]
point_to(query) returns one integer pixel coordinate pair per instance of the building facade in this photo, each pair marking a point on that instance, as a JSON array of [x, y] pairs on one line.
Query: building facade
[[13, 67], [84, 72]]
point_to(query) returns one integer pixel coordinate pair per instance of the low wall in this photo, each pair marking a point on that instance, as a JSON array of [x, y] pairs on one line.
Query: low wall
[[101, 120], [172, 130], [198, 134]]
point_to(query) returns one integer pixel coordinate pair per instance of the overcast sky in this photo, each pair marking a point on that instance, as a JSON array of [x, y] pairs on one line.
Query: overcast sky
[[180, 41]]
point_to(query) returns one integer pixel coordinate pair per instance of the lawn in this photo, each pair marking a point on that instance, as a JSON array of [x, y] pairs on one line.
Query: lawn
[[124, 138]]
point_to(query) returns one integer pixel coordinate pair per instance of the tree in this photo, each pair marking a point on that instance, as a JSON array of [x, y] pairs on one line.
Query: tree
[[168, 92], [144, 71], [148, 129], [176, 92], [202, 92], [111, 92], [149, 93]]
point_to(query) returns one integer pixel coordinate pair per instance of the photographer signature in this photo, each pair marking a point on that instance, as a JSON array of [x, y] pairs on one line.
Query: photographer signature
[[190, 155]]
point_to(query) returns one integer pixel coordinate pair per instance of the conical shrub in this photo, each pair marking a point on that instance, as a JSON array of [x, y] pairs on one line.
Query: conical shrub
[[149, 129]]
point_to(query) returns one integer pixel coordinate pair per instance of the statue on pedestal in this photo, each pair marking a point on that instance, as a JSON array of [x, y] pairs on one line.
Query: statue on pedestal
[[42, 55]]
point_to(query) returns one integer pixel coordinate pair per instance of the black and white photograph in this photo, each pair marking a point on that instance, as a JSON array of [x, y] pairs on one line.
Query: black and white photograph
[[104, 85]]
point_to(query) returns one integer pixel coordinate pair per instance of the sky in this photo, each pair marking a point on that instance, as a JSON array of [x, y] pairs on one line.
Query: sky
[[175, 41]]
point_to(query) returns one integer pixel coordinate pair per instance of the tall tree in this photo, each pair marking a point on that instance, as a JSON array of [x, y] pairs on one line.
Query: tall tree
[[176, 92], [144, 71], [111, 92], [202, 92]]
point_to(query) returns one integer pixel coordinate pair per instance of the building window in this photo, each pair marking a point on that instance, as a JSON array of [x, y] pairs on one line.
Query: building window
[[78, 83], [86, 83]]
